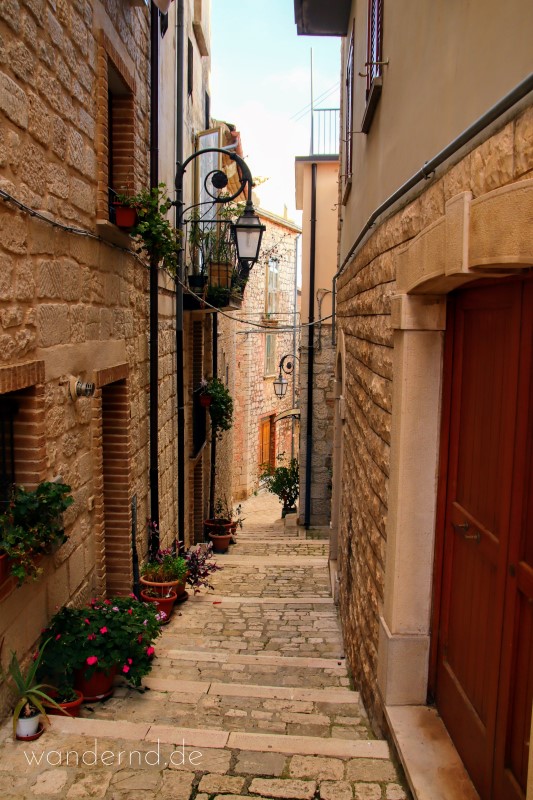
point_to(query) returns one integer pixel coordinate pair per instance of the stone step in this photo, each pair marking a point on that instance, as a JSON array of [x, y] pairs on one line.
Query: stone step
[[272, 576], [261, 670], [324, 713]]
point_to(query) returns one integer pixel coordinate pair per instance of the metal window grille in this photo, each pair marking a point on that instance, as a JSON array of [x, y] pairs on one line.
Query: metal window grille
[[375, 34], [272, 286], [8, 410]]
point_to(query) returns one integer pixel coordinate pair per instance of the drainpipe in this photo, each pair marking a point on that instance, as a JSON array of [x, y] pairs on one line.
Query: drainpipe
[[153, 543], [294, 338], [310, 352], [428, 168], [213, 429], [180, 387]]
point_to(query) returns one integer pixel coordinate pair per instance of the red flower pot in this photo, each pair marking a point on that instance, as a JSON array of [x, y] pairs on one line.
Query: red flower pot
[[72, 708], [98, 687], [125, 217], [164, 604]]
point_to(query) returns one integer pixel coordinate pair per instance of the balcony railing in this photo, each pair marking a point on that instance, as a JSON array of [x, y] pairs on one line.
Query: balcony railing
[[325, 132]]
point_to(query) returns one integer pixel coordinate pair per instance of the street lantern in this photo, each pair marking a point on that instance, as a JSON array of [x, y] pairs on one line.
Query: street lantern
[[287, 367], [248, 232], [280, 386]]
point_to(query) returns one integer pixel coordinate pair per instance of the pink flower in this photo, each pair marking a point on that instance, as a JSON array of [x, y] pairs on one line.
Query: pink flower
[[140, 638], [130, 610], [87, 621], [125, 668], [107, 602], [130, 660], [58, 637], [91, 636], [150, 651], [132, 595], [103, 630], [116, 608], [92, 660]]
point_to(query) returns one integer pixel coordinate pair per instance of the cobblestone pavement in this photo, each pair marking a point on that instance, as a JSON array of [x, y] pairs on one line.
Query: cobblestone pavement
[[249, 697]]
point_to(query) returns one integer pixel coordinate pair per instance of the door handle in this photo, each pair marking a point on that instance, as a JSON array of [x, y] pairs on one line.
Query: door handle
[[462, 528]]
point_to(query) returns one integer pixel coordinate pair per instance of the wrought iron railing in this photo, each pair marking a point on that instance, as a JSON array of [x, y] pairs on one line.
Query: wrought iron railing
[[325, 132]]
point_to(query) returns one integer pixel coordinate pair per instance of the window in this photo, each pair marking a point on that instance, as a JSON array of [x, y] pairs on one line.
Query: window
[[8, 410], [207, 102], [270, 354], [272, 283], [374, 61], [348, 112], [190, 68]]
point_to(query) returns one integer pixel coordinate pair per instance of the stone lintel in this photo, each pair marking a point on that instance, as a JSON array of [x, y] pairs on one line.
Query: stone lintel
[[418, 312]]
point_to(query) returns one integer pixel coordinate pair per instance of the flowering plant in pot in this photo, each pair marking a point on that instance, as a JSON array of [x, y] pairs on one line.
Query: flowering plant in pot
[[107, 636], [30, 696], [163, 578], [200, 566], [32, 526]]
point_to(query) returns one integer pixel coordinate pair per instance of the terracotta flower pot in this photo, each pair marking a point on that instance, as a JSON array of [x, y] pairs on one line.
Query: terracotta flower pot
[[72, 707], [125, 217], [164, 589], [98, 687], [221, 542], [164, 604]]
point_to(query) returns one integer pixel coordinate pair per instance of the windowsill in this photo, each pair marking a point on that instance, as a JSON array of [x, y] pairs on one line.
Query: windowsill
[[371, 104], [272, 323], [269, 377], [112, 234]]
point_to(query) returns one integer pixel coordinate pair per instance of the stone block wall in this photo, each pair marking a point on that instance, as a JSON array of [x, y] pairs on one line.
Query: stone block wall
[[323, 410], [364, 295], [74, 303], [254, 398]]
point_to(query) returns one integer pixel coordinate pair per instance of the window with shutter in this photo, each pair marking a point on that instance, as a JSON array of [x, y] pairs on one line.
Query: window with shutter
[[348, 112], [374, 61]]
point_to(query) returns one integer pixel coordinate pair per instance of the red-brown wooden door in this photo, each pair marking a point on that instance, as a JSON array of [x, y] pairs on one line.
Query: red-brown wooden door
[[485, 652]]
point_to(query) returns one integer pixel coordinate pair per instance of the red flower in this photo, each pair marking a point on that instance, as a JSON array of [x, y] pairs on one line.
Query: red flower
[[130, 660], [103, 630], [91, 636], [107, 602], [125, 668], [140, 638], [130, 610], [87, 621], [92, 660], [58, 637], [150, 651]]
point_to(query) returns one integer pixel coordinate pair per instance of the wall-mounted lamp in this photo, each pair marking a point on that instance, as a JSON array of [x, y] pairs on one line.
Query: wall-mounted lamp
[[287, 367], [79, 388]]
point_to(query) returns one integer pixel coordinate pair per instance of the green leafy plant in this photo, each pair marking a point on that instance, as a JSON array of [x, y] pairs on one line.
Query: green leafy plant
[[283, 481], [117, 632], [165, 566], [32, 525], [221, 408], [157, 237], [29, 691]]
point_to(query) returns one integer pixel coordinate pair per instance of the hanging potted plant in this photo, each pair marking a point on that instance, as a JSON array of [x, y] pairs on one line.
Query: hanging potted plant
[[90, 645], [197, 236], [32, 526], [220, 405], [163, 578]]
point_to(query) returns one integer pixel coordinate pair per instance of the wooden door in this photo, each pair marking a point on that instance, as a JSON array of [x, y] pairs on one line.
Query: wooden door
[[485, 642], [266, 444]]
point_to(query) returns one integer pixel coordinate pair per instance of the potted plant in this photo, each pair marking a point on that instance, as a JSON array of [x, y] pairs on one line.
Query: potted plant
[[30, 696], [157, 238], [220, 405], [89, 645], [200, 566], [32, 526], [164, 577], [67, 701], [284, 481], [219, 527]]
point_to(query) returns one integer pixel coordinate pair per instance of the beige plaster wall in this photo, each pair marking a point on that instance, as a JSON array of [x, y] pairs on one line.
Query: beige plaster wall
[[446, 67]]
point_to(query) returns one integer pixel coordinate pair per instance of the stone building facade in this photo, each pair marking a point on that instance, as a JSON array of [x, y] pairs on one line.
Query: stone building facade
[[75, 103], [258, 438]]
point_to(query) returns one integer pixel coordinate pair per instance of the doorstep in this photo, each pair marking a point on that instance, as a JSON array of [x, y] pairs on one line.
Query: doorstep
[[431, 763]]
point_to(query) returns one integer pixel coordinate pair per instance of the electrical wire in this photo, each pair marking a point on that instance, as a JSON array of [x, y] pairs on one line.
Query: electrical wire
[[81, 232]]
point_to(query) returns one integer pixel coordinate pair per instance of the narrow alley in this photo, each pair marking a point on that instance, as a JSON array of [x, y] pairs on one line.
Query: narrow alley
[[249, 697]]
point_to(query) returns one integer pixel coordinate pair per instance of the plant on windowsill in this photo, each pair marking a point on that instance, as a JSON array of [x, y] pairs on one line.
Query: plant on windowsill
[[32, 526], [156, 237], [284, 482], [95, 642]]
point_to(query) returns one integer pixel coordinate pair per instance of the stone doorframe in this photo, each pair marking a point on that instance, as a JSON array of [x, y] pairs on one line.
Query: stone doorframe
[[490, 236]]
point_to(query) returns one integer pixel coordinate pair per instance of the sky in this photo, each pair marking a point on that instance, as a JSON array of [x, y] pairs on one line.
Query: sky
[[260, 82]]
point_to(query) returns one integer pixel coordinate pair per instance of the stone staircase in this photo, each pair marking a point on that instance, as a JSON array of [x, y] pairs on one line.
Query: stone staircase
[[249, 688]]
